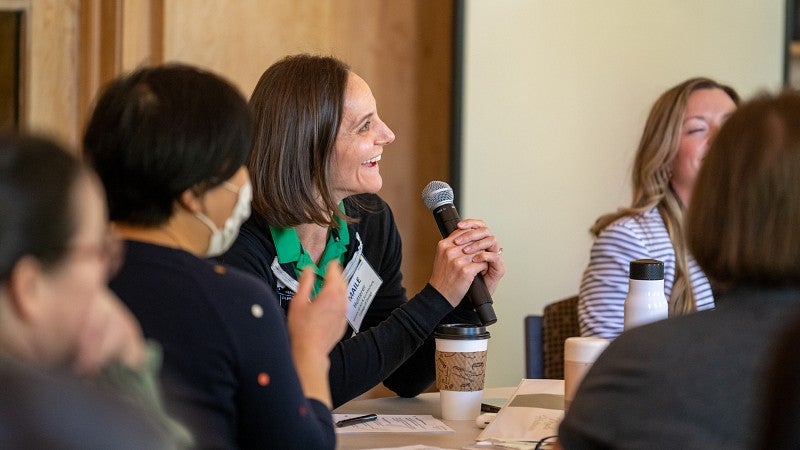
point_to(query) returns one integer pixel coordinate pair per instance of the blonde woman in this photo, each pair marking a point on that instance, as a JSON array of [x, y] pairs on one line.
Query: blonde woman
[[679, 129], [700, 380]]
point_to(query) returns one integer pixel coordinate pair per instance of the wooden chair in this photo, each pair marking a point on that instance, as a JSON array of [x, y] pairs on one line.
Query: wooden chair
[[545, 336]]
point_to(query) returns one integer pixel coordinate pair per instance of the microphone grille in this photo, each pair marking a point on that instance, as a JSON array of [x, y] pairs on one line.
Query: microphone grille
[[437, 193]]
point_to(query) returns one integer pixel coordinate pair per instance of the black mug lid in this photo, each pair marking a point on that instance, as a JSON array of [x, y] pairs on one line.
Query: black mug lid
[[647, 269], [461, 331]]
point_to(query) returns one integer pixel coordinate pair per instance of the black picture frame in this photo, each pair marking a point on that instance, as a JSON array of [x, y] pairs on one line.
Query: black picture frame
[[10, 70]]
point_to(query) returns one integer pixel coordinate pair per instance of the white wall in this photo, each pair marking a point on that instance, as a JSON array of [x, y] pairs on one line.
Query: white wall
[[556, 94]]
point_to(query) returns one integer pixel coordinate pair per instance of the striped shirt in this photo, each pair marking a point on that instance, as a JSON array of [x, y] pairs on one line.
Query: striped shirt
[[605, 282]]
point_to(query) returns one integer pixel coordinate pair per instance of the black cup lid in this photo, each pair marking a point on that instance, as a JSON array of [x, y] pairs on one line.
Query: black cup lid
[[463, 331], [647, 269]]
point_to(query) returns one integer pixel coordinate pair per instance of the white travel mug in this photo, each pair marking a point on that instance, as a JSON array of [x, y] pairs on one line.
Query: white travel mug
[[579, 355]]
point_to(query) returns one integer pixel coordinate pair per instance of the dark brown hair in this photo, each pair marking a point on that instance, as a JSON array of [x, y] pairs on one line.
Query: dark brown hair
[[742, 226], [37, 200], [298, 105], [161, 130]]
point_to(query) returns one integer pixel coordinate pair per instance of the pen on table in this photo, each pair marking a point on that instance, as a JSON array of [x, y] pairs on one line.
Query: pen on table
[[356, 420]]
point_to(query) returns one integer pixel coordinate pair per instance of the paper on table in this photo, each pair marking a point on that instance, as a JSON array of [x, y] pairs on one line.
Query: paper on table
[[400, 423], [531, 414], [412, 447]]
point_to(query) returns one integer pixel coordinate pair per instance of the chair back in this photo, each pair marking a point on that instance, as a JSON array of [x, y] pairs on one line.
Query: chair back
[[534, 356], [559, 322]]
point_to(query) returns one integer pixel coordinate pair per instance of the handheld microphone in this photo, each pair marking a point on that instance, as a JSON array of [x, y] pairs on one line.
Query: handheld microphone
[[438, 197]]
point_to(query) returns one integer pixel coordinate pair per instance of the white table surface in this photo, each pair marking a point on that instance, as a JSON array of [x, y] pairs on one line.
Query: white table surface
[[424, 404]]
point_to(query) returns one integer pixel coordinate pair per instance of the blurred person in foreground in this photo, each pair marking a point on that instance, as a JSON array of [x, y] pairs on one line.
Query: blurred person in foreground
[[698, 381], [681, 126], [782, 403], [169, 143], [74, 368]]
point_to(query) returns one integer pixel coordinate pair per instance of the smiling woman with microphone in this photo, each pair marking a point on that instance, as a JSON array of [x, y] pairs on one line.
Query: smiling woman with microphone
[[315, 172]]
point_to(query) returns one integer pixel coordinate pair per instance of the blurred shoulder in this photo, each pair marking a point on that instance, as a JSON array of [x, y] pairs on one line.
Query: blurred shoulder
[[39, 410]]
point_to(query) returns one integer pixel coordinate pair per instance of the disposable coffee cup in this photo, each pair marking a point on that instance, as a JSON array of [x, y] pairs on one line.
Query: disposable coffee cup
[[460, 369], [579, 355]]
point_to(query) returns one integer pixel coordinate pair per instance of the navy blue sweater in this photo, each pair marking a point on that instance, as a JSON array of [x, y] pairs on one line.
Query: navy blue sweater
[[228, 372]]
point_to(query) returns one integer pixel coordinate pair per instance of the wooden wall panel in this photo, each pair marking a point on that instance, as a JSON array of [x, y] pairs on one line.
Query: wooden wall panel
[[100, 51], [50, 55], [142, 31]]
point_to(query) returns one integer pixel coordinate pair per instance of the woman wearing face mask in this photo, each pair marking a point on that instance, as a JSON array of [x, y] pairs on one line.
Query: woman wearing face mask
[[169, 144]]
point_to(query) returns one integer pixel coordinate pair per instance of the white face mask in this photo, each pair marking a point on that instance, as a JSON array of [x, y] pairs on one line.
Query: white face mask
[[221, 240]]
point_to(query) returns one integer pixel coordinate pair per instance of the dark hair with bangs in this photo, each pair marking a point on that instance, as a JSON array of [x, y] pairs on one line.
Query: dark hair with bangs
[[298, 105], [37, 200], [742, 225], [162, 130]]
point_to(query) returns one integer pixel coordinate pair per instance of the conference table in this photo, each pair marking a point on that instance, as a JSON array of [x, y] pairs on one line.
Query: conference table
[[424, 404]]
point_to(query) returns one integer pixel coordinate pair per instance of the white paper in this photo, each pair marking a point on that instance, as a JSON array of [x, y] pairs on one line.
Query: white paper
[[411, 447], [400, 423], [524, 422]]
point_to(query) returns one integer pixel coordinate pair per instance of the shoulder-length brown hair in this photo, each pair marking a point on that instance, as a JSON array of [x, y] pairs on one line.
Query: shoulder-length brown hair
[[650, 179], [298, 105], [742, 225]]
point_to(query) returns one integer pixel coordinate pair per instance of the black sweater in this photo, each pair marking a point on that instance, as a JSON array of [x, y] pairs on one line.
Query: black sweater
[[228, 371], [395, 343]]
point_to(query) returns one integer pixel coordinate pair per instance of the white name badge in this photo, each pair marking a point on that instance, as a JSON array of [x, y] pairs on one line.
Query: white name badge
[[361, 290]]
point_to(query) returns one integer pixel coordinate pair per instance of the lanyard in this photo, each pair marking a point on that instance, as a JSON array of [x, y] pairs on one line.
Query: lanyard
[[291, 283]]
